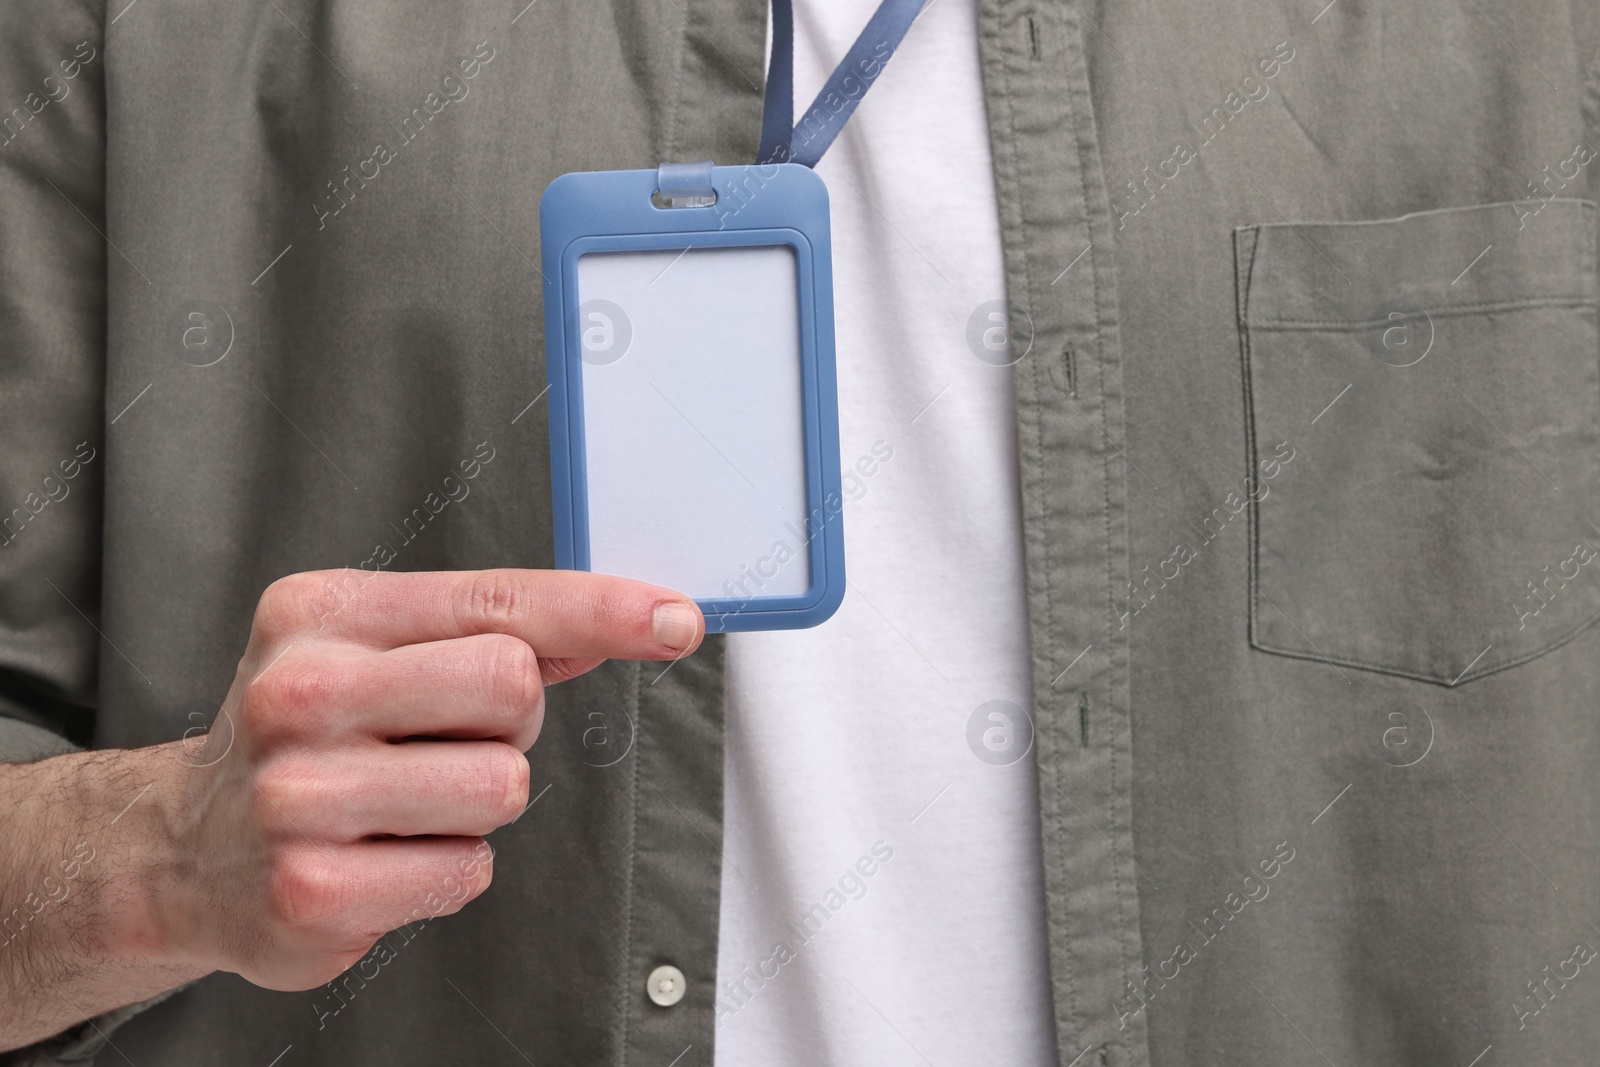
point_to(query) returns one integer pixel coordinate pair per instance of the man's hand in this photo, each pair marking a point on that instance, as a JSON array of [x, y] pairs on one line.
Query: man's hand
[[373, 734]]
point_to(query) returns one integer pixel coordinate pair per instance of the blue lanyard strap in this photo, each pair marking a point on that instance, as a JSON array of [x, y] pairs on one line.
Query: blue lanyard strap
[[805, 143]]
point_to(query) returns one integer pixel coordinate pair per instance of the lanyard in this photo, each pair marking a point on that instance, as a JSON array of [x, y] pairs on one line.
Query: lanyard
[[805, 143]]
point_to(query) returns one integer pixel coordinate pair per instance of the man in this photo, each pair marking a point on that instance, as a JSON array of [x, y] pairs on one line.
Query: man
[[1216, 682]]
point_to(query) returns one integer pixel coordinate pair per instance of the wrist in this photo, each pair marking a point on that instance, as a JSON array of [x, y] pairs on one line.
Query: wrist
[[120, 857], [87, 921]]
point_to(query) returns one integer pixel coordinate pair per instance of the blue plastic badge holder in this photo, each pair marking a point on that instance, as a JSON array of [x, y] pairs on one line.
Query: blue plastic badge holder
[[694, 427]]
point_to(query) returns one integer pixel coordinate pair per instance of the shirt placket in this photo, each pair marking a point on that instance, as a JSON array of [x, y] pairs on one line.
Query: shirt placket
[[666, 988], [1055, 226]]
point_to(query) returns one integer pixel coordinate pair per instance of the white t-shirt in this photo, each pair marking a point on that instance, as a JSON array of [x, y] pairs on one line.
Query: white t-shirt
[[882, 889]]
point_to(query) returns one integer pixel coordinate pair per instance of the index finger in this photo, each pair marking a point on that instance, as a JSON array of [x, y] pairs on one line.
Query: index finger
[[559, 614]]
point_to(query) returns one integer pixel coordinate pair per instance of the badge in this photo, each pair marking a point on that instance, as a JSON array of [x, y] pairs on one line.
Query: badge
[[694, 423], [693, 412]]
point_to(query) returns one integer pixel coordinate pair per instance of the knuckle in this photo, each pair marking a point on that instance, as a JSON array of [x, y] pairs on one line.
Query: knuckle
[[275, 789], [494, 599], [535, 726], [294, 694], [514, 675], [504, 783], [469, 875], [479, 865], [285, 790], [305, 892], [282, 608], [484, 875]]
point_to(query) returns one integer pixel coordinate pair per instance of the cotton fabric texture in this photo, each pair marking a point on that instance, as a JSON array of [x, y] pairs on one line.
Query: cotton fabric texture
[[899, 728], [1316, 659]]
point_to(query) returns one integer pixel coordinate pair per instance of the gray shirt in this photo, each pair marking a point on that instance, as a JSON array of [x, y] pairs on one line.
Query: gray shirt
[[1308, 438]]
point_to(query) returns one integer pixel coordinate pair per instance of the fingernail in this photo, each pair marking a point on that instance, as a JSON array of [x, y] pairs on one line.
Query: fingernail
[[676, 624]]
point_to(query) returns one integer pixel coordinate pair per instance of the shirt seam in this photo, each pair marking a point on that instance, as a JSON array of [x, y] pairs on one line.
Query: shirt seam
[[675, 108], [1444, 311], [1070, 18], [627, 892]]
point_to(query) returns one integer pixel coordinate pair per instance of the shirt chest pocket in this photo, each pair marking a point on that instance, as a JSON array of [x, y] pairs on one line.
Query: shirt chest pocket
[[1434, 378]]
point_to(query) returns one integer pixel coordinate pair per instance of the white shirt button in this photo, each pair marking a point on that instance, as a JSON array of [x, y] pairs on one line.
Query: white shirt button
[[665, 985]]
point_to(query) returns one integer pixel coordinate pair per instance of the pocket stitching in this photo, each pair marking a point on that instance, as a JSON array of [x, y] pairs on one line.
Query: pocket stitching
[[1443, 311], [1244, 273]]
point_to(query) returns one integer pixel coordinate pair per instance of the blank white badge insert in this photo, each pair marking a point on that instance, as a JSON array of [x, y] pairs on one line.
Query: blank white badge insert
[[693, 421]]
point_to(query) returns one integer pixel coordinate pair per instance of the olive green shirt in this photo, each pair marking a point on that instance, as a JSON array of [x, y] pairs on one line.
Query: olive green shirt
[[1307, 426]]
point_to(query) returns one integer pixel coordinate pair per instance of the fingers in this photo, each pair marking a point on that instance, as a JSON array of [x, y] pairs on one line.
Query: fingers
[[442, 788], [556, 671], [381, 720], [337, 901], [560, 614], [484, 687]]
